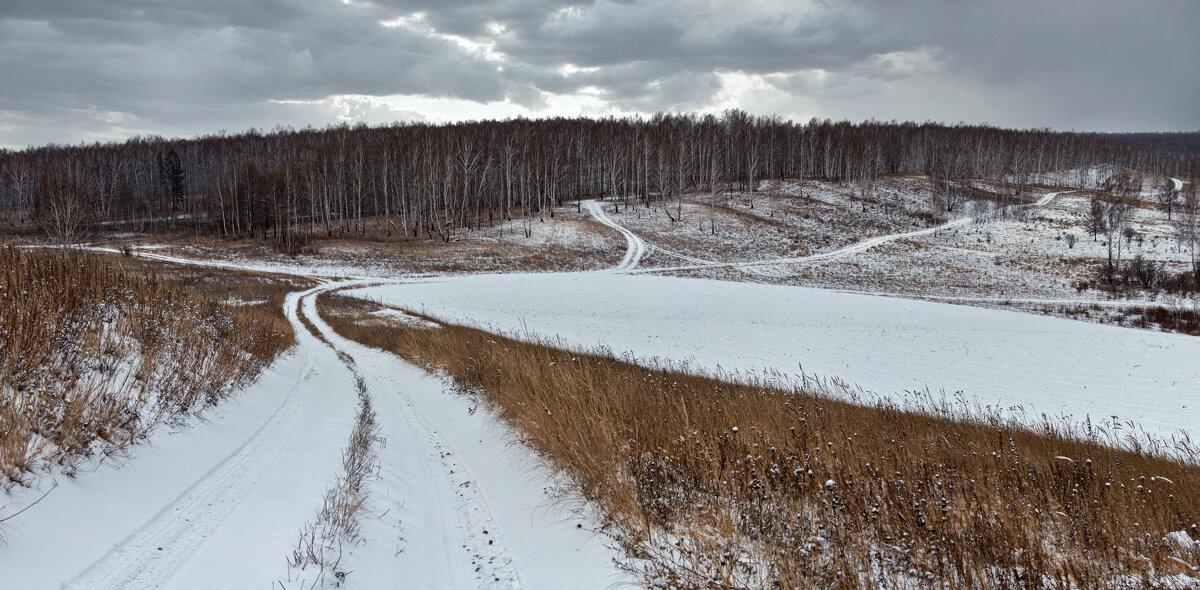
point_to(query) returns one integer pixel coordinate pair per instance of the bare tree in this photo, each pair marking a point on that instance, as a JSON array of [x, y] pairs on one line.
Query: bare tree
[[1187, 227], [1167, 197], [64, 210], [1097, 223], [436, 178]]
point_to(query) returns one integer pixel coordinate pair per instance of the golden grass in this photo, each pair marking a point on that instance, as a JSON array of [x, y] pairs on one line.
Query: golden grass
[[239, 288], [715, 484], [93, 355]]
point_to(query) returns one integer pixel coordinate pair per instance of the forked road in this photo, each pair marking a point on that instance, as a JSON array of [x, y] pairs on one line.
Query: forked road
[[456, 503], [637, 246]]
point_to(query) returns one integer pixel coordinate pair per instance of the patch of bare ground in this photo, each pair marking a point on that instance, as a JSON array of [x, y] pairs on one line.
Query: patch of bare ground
[[1178, 319], [236, 288], [717, 484], [569, 241], [97, 351]]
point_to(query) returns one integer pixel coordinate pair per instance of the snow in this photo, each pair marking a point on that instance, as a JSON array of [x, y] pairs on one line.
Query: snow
[[471, 501], [885, 345], [398, 317], [457, 502], [890, 242], [1181, 542], [256, 471], [855, 248]]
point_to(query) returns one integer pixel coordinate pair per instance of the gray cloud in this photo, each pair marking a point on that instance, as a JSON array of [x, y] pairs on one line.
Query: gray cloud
[[82, 70]]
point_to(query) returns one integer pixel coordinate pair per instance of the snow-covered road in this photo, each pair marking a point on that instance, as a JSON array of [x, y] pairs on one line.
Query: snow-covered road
[[887, 345], [457, 504], [219, 504], [855, 248], [636, 247]]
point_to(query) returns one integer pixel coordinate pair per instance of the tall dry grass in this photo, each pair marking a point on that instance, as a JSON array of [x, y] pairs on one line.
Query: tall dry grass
[[93, 356], [714, 484]]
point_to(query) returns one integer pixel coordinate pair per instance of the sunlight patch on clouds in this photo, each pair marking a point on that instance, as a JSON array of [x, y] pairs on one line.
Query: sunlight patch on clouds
[[758, 93], [441, 110], [418, 23], [353, 108], [923, 61], [568, 69]]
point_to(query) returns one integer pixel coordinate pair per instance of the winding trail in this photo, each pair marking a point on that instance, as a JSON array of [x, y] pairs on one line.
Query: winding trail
[[434, 497], [635, 246], [757, 267], [456, 501], [640, 246]]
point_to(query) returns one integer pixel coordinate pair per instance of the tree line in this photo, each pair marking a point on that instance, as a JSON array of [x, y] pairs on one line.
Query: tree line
[[427, 181]]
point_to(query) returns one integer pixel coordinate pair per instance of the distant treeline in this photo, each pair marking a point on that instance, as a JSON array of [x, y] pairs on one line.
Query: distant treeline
[[1181, 145], [428, 181]]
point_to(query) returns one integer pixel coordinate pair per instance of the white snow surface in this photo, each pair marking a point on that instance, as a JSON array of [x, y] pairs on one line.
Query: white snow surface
[[884, 345], [456, 504]]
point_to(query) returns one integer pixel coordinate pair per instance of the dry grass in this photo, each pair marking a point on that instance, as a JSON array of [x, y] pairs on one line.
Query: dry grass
[[322, 542], [1179, 319], [553, 247], [717, 484], [238, 288], [93, 355]]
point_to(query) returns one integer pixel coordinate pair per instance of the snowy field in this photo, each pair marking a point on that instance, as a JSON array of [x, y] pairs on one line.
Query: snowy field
[[457, 503], [884, 345]]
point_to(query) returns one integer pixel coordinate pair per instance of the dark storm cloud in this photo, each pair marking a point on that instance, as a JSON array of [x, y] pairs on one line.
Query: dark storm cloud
[[81, 69]]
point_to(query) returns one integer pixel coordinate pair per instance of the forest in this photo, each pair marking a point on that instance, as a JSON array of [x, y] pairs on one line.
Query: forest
[[426, 181]]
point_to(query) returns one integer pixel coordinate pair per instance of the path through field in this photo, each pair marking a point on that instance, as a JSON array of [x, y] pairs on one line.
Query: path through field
[[457, 504], [888, 345], [636, 246], [855, 248]]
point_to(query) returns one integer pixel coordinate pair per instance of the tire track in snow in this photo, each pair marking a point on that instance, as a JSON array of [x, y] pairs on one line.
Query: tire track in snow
[[484, 557], [636, 248], [473, 549], [636, 242], [854, 248], [478, 536], [156, 550]]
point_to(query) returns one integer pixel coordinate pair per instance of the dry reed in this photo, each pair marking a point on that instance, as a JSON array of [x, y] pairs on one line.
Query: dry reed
[[715, 484], [93, 356]]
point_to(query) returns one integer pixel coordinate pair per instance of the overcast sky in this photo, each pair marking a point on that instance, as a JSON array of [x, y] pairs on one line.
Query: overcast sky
[[86, 70]]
